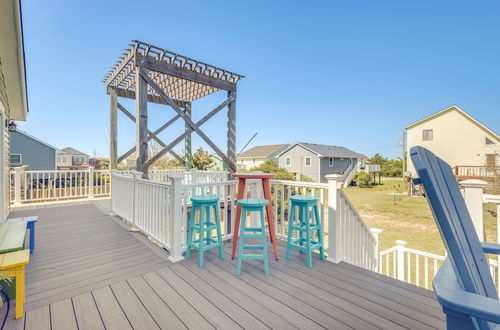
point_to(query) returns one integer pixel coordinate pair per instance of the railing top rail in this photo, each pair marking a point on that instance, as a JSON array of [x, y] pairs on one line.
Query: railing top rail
[[301, 184], [209, 184], [54, 171], [389, 250], [495, 199], [424, 254]]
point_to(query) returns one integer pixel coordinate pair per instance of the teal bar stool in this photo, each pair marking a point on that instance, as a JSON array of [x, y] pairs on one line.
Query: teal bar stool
[[310, 236], [252, 205], [204, 227]]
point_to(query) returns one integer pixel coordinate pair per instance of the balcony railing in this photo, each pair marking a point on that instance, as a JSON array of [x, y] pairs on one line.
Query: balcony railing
[[161, 210], [464, 172]]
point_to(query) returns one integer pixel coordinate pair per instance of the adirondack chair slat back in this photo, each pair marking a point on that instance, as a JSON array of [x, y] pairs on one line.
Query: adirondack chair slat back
[[454, 223]]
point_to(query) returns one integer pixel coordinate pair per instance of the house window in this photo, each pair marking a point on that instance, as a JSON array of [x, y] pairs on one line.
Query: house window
[[330, 162], [307, 161], [288, 161], [488, 141], [427, 135], [15, 159]]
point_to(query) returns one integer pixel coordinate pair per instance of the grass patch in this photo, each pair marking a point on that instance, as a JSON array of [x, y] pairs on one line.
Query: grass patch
[[404, 217]]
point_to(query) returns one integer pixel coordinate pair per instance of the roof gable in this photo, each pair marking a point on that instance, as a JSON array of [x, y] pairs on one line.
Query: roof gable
[[459, 111], [35, 139], [73, 151], [323, 150], [262, 151]]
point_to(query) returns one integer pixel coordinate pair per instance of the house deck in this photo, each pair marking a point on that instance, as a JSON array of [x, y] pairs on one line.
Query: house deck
[[90, 272]]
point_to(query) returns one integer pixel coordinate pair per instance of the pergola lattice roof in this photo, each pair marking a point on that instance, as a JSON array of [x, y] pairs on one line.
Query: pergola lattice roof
[[182, 78]]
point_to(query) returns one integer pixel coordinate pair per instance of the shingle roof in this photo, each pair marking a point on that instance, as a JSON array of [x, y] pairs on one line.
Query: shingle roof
[[73, 151], [263, 151], [324, 150]]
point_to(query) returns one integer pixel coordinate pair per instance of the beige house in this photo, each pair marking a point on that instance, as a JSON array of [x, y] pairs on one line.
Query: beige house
[[258, 155], [13, 94], [468, 146]]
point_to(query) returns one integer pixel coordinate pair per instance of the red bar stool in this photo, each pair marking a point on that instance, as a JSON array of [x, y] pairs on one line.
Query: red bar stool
[[266, 185]]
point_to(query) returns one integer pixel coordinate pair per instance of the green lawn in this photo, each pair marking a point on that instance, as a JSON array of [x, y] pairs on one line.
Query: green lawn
[[404, 218]]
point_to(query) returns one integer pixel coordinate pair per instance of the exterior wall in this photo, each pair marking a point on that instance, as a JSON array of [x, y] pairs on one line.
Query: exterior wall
[[456, 140], [248, 163], [297, 165], [4, 150], [80, 159], [339, 166], [63, 160], [34, 154]]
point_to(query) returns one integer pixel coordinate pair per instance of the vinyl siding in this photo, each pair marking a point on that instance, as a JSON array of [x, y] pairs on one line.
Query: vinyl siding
[[36, 155], [339, 166], [4, 136], [297, 166]]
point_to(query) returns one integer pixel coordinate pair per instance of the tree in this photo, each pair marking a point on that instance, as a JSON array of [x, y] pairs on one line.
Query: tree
[[201, 159], [271, 167], [388, 167]]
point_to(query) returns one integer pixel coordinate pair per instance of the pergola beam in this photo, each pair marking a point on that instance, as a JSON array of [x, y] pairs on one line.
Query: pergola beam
[[176, 71], [120, 92]]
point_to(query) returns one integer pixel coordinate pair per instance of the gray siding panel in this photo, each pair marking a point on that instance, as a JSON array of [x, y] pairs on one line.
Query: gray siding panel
[[298, 154], [339, 166], [36, 155]]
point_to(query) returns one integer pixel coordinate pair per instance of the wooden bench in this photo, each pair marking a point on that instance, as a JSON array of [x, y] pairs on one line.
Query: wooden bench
[[13, 264]]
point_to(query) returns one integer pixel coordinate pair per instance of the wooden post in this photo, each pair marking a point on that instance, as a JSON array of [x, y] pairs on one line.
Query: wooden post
[[141, 122], [333, 219], [187, 141], [376, 233], [231, 129], [176, 231], [18, 177], [113, 129], [400, 259], [473, 195], [91, 181]]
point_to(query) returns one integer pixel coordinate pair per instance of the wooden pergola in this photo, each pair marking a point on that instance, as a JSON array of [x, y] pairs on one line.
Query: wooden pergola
[[148, 73]]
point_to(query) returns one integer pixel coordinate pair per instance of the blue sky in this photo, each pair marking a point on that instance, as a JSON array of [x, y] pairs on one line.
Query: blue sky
[[350, 73]]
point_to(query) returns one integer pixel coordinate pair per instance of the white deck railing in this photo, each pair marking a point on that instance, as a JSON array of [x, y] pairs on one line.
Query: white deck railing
[[40, 186], [162, 210], [190, 177]]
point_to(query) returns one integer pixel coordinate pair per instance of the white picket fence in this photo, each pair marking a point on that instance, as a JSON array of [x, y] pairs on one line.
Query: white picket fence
[[41, 186]]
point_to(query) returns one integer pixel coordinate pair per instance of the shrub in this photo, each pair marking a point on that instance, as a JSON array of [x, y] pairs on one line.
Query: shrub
[[363, 180]]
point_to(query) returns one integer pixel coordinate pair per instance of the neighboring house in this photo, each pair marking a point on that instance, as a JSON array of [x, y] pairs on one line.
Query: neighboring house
[[457, 138], [259, 155], [79, 160], [27, 150], [317, 160], [130, 162], [96, 163], [13, 92], [218, 163], [64, 160]]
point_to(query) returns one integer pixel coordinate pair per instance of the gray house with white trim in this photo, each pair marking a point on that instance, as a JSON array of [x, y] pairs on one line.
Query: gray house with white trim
[[27, 150], [317, 160]]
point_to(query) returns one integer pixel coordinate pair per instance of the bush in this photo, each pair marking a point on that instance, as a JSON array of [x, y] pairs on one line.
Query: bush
[[272, 167], [363, 180]]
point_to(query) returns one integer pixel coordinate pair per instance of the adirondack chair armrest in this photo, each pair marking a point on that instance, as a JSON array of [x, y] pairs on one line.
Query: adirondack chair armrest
[[470, 304], [490, 248]]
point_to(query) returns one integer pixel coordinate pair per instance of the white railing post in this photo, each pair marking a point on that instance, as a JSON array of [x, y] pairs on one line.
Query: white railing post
[[18, 173], [91, 182], [473, 195], [113, 173], [400, 259], [137, 176], [376, 249], [175, 217], [333, 220]]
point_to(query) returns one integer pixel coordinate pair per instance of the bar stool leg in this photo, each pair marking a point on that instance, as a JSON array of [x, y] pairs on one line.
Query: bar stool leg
[[219, 231], [201, 238], [242, 238], [264, 243], [320, 232], [302, 216], [308, 238], [290, 231], [208, 218], [190, 232]]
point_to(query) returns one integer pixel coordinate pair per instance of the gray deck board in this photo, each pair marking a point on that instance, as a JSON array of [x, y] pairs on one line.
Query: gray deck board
[[90, 272]]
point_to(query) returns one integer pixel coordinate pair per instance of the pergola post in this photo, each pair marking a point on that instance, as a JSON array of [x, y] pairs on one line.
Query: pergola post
[[113, 129], [187, 141], [141, 122], [231, 127]]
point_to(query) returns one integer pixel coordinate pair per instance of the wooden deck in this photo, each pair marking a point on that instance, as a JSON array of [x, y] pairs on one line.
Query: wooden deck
[[136, 287]]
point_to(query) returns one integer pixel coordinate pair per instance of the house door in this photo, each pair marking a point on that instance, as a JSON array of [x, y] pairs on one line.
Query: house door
[[490, 162]]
